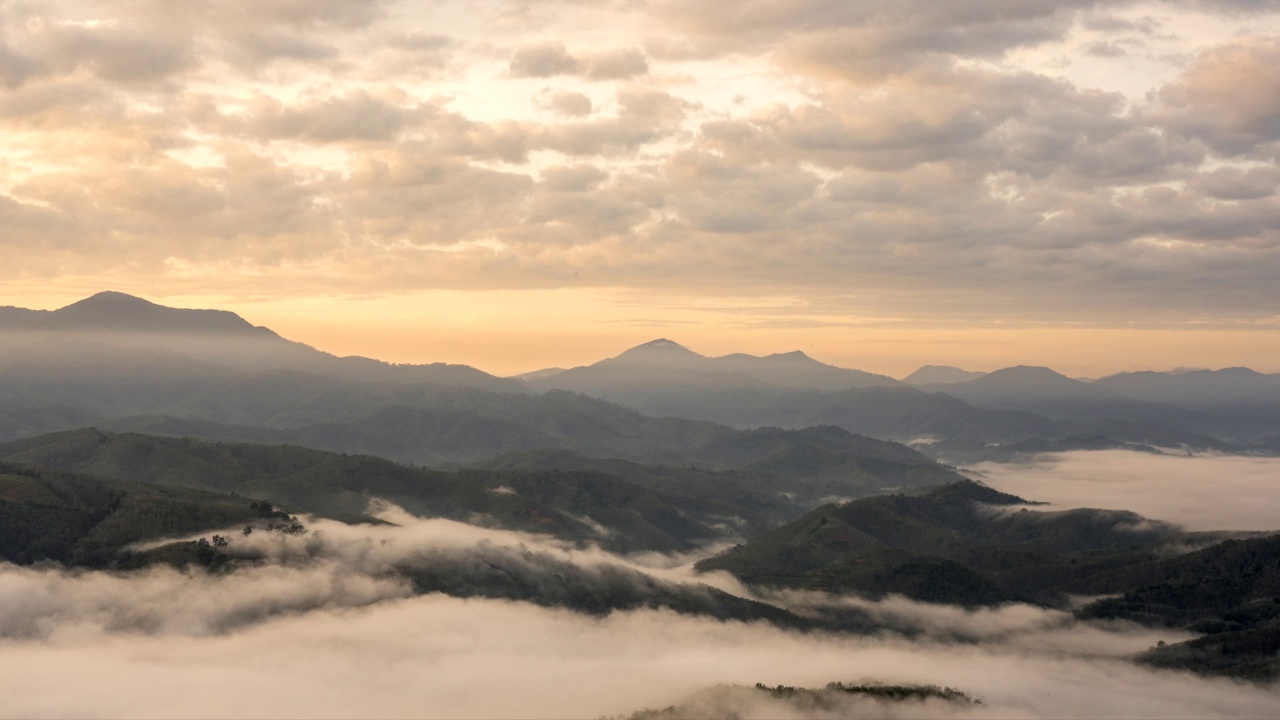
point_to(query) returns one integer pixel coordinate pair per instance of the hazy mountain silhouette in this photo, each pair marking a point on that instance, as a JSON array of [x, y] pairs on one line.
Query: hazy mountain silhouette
[[663, 366], [121, 322], [1076, 405], [1019, 386], [120, 361], [117, 312], [940, 374], [1229, 388]]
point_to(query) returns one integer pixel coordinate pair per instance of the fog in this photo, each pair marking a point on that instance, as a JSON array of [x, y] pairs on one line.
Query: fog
[[1209, 492], [323, 627]]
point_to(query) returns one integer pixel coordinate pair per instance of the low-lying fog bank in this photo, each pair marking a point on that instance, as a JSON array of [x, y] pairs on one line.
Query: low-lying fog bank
[[1209, 492], [325, 628]]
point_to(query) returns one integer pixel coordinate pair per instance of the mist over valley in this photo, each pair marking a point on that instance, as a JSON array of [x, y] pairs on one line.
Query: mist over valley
[[179, 488], [782, 359]]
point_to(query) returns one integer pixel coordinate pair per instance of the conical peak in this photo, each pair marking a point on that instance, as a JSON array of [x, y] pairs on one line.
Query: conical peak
[[1027, 372], [661, 345], [660, 350], [117, 311], [111, 299], [793, 355]]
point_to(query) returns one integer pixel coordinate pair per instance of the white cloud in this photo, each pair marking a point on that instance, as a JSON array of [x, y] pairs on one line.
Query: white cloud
[[1198, 493], [323, 630]]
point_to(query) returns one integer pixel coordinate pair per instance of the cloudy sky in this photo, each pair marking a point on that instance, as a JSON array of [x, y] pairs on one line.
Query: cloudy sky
[[1091, 186]]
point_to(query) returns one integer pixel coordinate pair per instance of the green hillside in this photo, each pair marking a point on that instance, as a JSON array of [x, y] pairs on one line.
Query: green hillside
[[960, 543], [1231, 591], [50, 515]]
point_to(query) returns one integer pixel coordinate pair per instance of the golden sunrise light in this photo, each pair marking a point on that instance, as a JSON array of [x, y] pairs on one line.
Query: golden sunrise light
[[525, 185], [640, 359]]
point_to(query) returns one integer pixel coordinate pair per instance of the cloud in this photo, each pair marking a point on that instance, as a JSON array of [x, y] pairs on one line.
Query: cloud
[[1201, 493], [880, 37], [550, 59], [1237, 184], [801, 148], [623, 64], [573, 104], [546, 60], [576, 178], [357, 115], [1228, 98], [321, 627]]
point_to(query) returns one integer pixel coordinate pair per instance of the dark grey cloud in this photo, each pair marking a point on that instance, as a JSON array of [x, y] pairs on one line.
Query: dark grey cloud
[[621, 64], [551, 59], [546, 60], [253, 49], [14, 66], [1237, 184], [865, 40], [566, 102], [420, 41], [575, 178], [356, 115]]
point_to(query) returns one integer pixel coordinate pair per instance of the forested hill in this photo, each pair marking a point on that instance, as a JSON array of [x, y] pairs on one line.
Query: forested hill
[[962, 543], [970, 545], [48, 514], [638, 507]]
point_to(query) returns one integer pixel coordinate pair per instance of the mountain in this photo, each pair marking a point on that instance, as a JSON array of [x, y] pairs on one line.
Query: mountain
[[75, 519], [663, 367], [73, 382], [124, 363], [333, 484], [1230, 389], [798, 371], [122, 324], [1080, 408], [50, 516], [1227, 591], [789, 390], [962, 543], [568, 495], [118, 312], [940, 374], [540, 374], [1021, 386]]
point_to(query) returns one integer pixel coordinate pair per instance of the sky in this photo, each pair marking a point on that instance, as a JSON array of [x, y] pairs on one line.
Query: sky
[[515, 185]]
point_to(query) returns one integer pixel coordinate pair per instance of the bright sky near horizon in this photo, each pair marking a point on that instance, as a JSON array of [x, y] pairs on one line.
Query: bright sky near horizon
[[1090, 186]]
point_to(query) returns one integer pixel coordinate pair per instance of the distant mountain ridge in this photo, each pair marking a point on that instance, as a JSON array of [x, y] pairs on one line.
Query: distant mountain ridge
[[219, 337], [928, 374], [113, 358], [668, 363], [1197, 389], [116, 311]]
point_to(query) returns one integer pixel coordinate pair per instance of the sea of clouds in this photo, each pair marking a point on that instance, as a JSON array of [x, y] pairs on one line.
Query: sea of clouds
[[326, 627], [1206, 492]]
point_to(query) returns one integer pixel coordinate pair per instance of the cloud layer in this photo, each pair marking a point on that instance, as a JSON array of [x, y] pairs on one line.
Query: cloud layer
[[920, 153], [322, 629], [1200, 493]]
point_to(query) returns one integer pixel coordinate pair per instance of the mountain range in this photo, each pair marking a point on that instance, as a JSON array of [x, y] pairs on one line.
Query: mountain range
[[124, 421], [123, 363], [1224, 410]]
